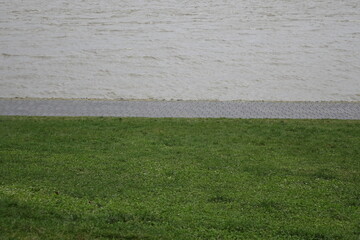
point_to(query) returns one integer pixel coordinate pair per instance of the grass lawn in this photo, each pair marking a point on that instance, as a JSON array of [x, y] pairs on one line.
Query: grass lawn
[[139, 178]]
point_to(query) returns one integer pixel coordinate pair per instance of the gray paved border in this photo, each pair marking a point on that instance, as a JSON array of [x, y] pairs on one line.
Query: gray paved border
[[185, 109]]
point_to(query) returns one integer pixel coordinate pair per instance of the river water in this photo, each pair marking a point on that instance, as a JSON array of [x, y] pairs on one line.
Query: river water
[[278, 50]]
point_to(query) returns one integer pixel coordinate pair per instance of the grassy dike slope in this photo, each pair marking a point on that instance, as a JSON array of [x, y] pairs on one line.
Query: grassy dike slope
[[138, 178]]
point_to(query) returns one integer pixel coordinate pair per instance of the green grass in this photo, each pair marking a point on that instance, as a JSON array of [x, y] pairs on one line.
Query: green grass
[[138, 178]]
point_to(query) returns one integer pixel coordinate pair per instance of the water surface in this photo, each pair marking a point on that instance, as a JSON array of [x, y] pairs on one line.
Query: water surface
[[181, 49]]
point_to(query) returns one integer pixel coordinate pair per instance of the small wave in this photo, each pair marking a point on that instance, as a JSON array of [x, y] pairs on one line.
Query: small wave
[[136, 75], [182, 58], [150, 58], [10, 55], [41, 57]]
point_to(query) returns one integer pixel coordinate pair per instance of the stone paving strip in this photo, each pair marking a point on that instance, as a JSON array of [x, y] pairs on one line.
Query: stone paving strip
[[182, 109]]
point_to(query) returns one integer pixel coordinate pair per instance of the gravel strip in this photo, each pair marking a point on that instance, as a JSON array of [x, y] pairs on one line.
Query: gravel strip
[[183, 109]]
